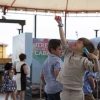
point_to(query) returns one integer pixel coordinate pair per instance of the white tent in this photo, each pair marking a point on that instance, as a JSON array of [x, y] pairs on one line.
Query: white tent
[[53, 5]]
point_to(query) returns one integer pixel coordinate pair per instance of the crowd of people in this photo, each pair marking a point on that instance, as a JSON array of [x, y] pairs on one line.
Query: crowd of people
[[72, 79]]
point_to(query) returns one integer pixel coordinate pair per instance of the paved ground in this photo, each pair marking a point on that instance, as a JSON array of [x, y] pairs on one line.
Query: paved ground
[[2, 97]]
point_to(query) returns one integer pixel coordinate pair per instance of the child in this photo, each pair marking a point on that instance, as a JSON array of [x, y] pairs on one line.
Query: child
[[89, 83], [96, 91], [8, 84], [50, 70], [75, 64]]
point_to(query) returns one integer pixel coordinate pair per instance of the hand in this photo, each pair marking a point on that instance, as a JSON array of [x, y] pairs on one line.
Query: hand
[[92, 56], [58, 21], [12, 71], [94, 86]]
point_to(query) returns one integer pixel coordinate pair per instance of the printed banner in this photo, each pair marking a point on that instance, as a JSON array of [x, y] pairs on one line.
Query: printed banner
[[39, 55]]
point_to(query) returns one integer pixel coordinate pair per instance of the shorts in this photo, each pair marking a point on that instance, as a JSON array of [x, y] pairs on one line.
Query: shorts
[[89, 97], [72, 95]]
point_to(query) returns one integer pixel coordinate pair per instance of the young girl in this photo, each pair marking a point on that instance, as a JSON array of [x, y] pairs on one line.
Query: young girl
[[8, 84]]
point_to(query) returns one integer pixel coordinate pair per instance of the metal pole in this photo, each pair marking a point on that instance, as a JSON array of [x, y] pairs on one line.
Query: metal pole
[[97, 88], [76, 35], [40, 91], [35, 24], [96, 31], [22, 28], [65, 24], [19, 30]]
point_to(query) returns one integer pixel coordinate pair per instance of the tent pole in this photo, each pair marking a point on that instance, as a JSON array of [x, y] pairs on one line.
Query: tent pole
[[65, 24], [35, 24]]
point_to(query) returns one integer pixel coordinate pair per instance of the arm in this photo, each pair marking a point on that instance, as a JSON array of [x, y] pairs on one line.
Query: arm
[[11, 74], [91, 80], [42, 79], [96, 65], [57, 66], [25, 69], [61, 32], [62, 36], [56, 73], [96, 62]]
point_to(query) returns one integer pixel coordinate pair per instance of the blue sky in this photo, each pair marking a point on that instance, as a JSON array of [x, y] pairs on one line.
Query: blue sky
[[47, 27]]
